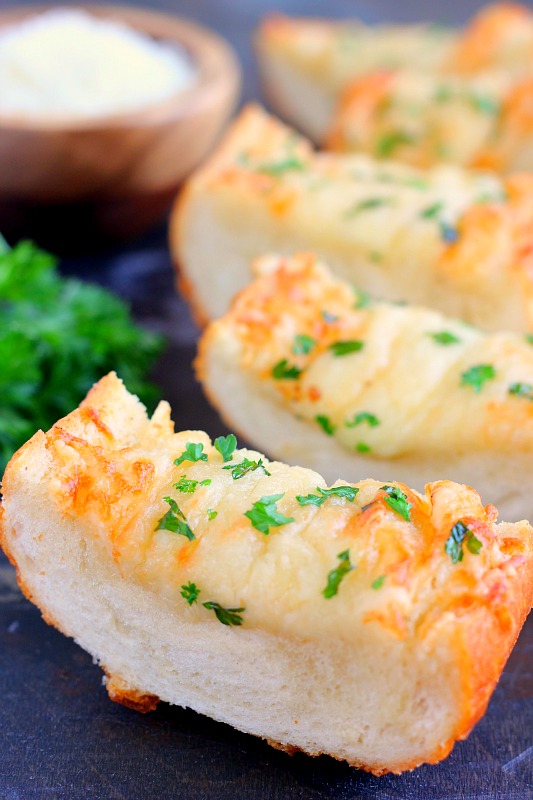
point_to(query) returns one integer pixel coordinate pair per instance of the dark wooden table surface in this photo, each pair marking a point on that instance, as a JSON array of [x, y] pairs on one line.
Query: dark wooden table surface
[[61, 738]]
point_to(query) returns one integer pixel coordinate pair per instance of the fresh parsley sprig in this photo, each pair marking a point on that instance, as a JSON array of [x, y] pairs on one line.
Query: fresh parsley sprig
[[336, 575], [190, 592], [459, 536], [347, 492], [477, 376], [283, 371], [397, 500], [344, 348], [226, 446], [246, 465], [227, 616], [264, 514], [58, 336], [194, 451], [175, 521]]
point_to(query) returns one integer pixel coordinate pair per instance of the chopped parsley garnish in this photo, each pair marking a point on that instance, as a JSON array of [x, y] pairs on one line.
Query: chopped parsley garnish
[[326, 424], [485, 104], [378, 583], [303, 344], [58, 336], [521, 390], [327, 316], [227, 616], [239, 470], [387, 144], [397, 500], [190, 592], [368, 205], [226, 446], [336, 575], [460, 535], [362, 299], [277, 168], [347, 492], [477, 375], [449, 233], [444, 337], [264, 514], [185, 485], [211, 514], [529, 338], [363, 417], [362, 447], [193, 452], [285, 371], [174, 521], [346, 347], [432, 211], [375, 257]]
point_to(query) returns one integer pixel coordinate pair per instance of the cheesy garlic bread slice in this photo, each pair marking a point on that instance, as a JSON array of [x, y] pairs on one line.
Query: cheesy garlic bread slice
[[362, 620], [457, 241], [482, 122], [306, 64], [305, 370]]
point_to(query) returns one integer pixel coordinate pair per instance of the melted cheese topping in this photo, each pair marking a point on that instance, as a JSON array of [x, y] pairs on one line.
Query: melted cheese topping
[[445, 237], [119, 487], [383, 379], [334, 54]]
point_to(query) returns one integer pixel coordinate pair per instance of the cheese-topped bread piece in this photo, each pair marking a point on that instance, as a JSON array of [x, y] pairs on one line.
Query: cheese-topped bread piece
[[307, 63], [362, 620], [480, 122], [457, 241], [306, 369]]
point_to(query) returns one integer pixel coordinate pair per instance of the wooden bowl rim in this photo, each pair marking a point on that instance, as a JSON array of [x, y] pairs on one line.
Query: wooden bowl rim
[[216, 62]]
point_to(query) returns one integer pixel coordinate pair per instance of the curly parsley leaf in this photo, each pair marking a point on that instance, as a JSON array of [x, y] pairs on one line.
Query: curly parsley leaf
[[264, 514], [387, 144], [185, 485], [347, 492], [194, 451], [444, 337], [211, 514], [432, 211], [336, 575], [326, 424], [345, 348], [303, 344], [226, 446], [362, 447], [227, 616], [190, 592], [58, 336], [459, 536], [378, 583], [283, 371], [363, 417], [246, 465], [277, 168], [521, 390], [397, 500], [174, 521], [477, 376]]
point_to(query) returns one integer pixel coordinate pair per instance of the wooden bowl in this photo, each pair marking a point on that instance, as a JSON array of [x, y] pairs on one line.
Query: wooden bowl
[[67, 182]]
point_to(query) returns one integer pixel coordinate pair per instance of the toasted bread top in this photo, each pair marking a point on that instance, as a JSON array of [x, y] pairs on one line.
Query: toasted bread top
[[262, 542], [383, 379]]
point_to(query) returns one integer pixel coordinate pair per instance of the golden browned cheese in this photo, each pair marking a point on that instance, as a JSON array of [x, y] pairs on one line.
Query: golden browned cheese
[[451, 239], [481, 121], [267, 548]]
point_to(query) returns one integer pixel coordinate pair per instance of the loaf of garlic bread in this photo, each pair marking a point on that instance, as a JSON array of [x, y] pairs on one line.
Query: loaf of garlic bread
[[307, 369], [363, 620], [446, 238], [306, 64]]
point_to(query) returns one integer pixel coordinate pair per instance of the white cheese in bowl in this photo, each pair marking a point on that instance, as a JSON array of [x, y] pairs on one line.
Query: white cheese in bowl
[[67, 62]]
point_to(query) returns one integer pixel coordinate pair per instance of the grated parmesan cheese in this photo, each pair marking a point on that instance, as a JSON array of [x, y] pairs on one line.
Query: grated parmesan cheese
[[67, 62]]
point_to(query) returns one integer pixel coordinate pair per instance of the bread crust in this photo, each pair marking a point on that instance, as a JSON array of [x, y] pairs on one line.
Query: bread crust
[[381, 227], [101, 474]]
